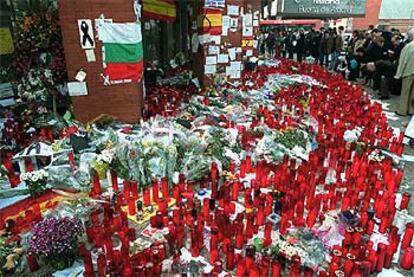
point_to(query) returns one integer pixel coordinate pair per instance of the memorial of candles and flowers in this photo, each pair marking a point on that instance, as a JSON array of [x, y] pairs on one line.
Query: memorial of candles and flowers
[[292, 171]]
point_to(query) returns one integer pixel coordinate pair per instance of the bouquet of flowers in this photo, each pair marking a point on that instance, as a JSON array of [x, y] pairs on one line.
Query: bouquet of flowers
[[39, 68], [54, 241], [102, 162], [35, 181], [10, 254], [34, 85], [275, 144]]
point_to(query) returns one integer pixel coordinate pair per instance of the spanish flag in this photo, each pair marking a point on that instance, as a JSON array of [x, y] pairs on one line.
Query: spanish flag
[[159, 9], [247, 43], [209, 22]]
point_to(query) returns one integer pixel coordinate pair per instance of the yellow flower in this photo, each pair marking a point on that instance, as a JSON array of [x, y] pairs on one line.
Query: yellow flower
[[56, 146], [109, 144]]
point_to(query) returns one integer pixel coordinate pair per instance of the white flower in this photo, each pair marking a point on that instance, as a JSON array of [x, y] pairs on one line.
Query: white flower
[[35, 178], [23, 176]]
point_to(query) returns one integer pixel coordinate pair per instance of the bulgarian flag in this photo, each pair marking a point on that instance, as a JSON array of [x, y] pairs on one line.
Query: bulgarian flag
[[210, 21], [159, 9], [122, 51]]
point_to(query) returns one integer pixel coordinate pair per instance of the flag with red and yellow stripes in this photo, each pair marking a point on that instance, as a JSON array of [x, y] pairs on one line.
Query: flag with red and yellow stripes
[[210, 21], [159, 9]]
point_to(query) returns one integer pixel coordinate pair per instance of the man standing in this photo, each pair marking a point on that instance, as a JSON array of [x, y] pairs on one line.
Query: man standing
[[289, 45], [270, 44], [336, 50], [405, 71], [300, 46], [325, 49]]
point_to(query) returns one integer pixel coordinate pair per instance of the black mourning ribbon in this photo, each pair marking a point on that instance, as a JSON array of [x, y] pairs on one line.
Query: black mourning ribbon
[[35, 147], [86, 36]]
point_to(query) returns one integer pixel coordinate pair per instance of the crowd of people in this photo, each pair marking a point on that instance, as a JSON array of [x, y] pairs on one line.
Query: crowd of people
[[382, 58], [324, 45]]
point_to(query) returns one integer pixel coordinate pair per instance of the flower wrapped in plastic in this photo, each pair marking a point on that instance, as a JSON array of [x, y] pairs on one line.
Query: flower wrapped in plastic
[[275, 144], [36, 181]]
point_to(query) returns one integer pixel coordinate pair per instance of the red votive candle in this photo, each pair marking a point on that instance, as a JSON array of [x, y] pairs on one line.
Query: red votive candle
[[87, 261], [295, 267], [230, 263], [250, 256], [260, 216], [134, 189], [155, 191], [388, 257], [101, 265], [132, 209], [164, 188], [267, 234], [239, 240], [241, 269], [349, 264], [408, 235], [405, 200], [276, 269], [127, 190], [162, 205], [370, 227], [333, 267], [235, 191], [265, 266], [147, 197], [218, 267], [32, 262], [382, 250], [213, 255], [96, 190], [114, 178], [407, 258]]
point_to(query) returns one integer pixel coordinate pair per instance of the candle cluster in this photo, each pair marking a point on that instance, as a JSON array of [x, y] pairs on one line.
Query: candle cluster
[[238, 218]]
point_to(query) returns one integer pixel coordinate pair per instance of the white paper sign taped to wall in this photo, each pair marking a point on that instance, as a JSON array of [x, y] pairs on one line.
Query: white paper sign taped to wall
[[77, 89], [223, 58], [211, 60]]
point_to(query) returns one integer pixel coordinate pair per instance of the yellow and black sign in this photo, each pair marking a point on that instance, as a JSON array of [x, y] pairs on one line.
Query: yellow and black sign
[[6, 41]]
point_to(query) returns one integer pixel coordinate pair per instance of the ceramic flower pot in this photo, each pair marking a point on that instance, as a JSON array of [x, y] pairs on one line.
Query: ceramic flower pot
[[58, 262]]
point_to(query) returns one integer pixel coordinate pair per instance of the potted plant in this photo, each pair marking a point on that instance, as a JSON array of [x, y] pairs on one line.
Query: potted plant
[[54, 241]]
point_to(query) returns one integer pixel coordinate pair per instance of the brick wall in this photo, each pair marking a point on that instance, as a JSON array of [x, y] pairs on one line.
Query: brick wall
[[123, 101], [371, 16], [233, 39]]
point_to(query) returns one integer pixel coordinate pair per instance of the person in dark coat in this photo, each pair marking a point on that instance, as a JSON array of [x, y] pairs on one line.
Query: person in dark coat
[[288, 41], [316, 41], [376, 50], [300, 46], [325, 49], [308, 42], [270, 44]]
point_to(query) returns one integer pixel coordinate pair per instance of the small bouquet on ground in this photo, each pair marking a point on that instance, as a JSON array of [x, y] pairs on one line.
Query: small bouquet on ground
[[10, 254], [54, 241], [102, 162], [35, 181]]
